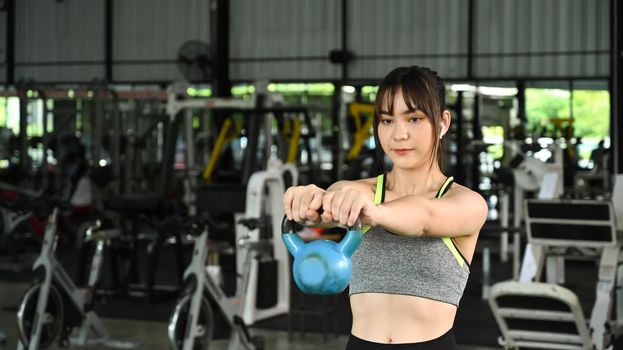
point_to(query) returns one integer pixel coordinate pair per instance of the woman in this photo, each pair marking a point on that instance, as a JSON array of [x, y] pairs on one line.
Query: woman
[[412, 266]]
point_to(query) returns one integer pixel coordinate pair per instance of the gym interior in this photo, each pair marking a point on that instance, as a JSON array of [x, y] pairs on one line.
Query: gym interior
[[145, 147]]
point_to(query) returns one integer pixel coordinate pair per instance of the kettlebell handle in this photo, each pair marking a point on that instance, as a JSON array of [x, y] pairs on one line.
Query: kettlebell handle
[[291, 226]]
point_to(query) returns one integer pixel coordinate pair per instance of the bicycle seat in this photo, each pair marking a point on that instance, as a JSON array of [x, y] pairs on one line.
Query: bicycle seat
[[134, 205], [252, 223], [104, 235], [261, 245]]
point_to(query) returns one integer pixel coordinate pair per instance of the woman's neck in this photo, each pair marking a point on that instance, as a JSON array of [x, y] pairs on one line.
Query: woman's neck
[[418, 182]]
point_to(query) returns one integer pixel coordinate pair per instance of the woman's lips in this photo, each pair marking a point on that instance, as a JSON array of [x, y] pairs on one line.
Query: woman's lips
[[401, 151]]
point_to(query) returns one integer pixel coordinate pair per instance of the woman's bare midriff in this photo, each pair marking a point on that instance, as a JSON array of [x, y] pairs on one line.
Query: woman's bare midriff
[[395, 319]]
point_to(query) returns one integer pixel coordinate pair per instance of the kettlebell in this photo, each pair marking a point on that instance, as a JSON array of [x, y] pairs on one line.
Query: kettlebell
[[321, 266]]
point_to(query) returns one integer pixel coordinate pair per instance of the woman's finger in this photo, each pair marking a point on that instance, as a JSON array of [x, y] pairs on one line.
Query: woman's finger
[[287, 202]]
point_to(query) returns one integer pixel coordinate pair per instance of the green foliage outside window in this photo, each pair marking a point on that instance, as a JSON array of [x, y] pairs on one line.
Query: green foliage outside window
[[3, 112], [591, 110], [590, 113]]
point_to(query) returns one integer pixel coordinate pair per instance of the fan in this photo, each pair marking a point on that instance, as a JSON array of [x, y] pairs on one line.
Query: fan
[[195, 61]]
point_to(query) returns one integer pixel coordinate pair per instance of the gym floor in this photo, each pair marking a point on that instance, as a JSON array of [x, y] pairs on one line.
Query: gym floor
[[152, 335]]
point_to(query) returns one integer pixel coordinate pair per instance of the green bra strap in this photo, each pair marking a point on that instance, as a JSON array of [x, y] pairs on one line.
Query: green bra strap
[[378, 195], [448, 240]]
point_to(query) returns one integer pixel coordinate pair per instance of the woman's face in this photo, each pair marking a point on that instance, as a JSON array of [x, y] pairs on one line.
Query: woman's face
[[405, 135]]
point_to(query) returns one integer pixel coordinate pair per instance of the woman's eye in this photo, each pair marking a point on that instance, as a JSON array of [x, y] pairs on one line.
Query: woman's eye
[[386, 121], [414, 120]]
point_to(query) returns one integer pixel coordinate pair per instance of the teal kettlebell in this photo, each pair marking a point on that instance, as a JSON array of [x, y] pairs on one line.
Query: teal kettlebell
[[322, 266]]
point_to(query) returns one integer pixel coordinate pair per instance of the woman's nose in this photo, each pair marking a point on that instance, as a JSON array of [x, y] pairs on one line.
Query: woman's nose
[[400, 132]]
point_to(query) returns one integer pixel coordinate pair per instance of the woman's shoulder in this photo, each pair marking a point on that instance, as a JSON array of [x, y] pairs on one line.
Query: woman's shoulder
[[458, 188], [465, 193]]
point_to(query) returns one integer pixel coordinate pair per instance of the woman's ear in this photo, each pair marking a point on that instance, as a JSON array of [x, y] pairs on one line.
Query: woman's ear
[[446, 118]]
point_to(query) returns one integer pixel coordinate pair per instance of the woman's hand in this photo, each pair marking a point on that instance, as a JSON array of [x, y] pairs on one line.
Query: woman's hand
[[345, 205], [301, 204]]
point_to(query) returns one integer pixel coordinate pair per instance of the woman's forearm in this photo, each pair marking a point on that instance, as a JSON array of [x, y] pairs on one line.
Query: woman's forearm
[[406, 216]]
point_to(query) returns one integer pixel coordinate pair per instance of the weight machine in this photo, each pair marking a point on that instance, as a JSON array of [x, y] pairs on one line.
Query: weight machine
[[534, 314], [263, 193]]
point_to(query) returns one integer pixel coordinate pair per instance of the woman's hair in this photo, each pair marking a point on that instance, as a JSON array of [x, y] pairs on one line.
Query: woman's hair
[[422, 89]]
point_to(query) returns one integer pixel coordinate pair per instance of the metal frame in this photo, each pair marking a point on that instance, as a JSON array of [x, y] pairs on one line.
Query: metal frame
[[258, 203], [616, 81], [532, 339], [552, 242], [230, 307], [9, 6], [54, 273], [601, 325]]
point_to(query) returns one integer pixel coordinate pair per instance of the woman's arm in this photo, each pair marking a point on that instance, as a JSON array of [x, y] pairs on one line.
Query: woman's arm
[[461, 212], [365, 186]]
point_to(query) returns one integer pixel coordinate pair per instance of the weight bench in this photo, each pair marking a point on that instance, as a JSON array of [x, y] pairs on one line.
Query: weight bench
[[533, 314]]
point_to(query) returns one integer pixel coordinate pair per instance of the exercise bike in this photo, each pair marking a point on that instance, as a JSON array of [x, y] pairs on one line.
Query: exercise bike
[[192, 322], [54, 305]]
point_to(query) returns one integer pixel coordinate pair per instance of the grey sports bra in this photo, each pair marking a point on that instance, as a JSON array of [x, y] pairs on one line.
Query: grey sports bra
[[428, 267]]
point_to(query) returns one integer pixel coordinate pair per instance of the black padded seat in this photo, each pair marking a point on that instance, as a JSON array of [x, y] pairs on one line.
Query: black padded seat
[[134, 205], [219, 198]]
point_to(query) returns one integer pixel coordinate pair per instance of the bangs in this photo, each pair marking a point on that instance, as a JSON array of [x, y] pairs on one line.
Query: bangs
[[385, 100], [419, 96], [416, 93]]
